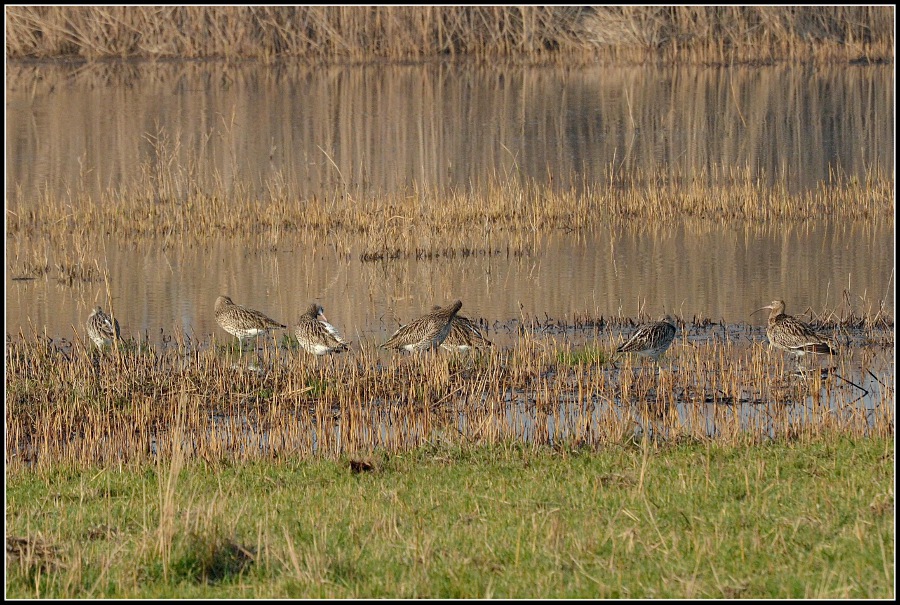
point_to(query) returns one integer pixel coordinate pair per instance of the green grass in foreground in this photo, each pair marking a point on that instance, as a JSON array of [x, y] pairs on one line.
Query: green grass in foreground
[[784, 520]]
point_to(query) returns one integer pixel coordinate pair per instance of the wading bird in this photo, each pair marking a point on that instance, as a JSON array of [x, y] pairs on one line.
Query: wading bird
[[101, 328], [425, 333], [242, 322], [464, 335], [316, 335], [650, 340], [791, 334]]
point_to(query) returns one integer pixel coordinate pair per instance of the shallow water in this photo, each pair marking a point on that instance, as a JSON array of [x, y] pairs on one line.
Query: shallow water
[[723, 274]]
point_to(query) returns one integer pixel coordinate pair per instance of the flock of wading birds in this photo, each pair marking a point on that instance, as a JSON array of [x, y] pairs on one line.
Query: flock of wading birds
[[445, 327]]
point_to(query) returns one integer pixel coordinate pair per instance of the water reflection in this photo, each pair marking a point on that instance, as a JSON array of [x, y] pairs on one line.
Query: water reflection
[[374, 129], [691, 269]]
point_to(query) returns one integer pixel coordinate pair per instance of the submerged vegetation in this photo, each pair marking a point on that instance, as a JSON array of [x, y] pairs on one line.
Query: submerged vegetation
[[695, 34]]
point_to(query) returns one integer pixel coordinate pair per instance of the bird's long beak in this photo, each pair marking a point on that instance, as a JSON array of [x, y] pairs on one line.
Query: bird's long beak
[[762, 309]]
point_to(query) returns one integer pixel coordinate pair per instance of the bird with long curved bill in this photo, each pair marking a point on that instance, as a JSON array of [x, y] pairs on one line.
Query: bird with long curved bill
[[792, 335]]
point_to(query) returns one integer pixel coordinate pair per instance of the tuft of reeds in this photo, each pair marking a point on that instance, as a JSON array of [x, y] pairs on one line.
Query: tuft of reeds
[[705, 34]]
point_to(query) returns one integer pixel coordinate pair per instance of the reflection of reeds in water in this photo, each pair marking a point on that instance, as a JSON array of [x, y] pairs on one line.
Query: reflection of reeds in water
[[719, 388], [176, 173]]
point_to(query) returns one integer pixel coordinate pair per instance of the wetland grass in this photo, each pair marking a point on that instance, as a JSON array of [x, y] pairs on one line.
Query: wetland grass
[[508, 218], [586, 355], [531, 470], [62, 408]]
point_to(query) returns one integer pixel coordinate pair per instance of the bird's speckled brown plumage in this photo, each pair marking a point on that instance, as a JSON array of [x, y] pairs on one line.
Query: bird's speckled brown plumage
[[101, 328], [650, 340], [464, 335], [426, 332], [242, 322], [791, 334], [316, 335]]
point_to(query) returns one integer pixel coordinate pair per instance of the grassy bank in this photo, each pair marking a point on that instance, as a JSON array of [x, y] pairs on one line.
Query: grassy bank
[[680, 34], [811, 519]]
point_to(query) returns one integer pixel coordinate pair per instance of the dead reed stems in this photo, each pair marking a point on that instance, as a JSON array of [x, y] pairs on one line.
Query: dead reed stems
[[530, 33], [455, 223], [139, 405]]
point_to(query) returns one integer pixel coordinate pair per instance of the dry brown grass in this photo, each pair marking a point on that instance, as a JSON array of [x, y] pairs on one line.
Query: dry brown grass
[[139, 406], [531, 33]]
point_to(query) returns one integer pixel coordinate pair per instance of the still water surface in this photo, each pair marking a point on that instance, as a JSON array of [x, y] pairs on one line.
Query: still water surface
[[379, 129], [723, 273]]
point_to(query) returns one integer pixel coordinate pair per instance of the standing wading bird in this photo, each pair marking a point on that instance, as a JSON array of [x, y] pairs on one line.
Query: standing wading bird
[[650, 340], [791, 334], [101, 328], [316, 335], [464, 335], [242, 322], [425, 333]]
